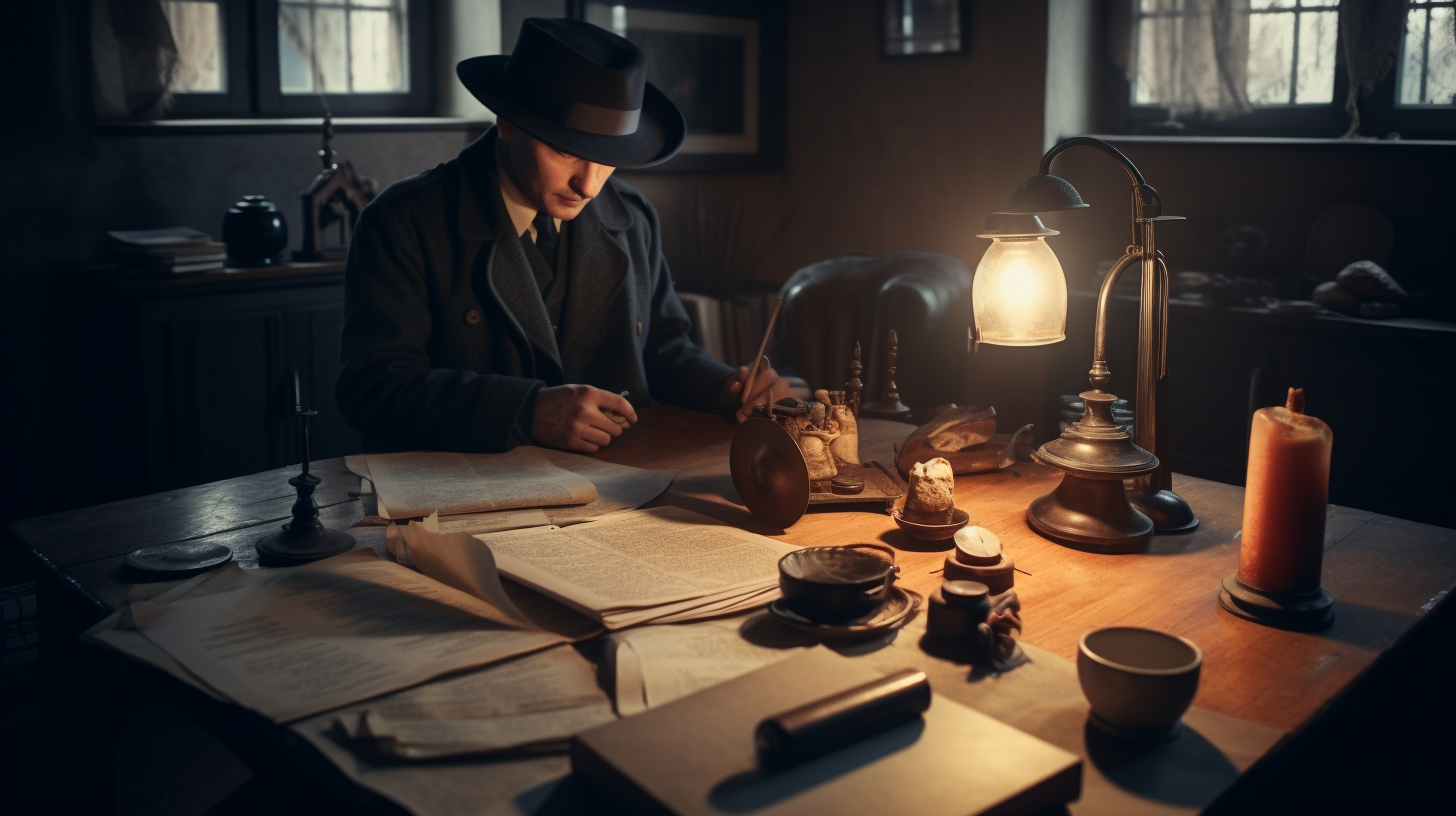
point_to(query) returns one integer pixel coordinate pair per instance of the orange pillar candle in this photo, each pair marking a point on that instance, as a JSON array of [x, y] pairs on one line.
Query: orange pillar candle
[[1287, 492]]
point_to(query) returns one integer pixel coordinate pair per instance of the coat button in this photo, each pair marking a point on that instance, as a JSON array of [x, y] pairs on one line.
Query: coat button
[[639, 328], [472, 317]]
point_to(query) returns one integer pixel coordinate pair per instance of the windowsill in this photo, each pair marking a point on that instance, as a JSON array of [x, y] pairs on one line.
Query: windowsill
[[1281, 141], [346, 124]]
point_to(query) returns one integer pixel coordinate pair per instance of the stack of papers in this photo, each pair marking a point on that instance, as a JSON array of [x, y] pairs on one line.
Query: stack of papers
[[662, 565], [289, 643], [486, 492], [168, 250]]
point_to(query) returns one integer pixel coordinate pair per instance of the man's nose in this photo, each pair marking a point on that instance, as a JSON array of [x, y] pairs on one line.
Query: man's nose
[[587, 181]]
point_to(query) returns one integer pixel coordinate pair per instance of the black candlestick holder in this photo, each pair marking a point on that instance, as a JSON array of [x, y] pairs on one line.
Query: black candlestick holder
[[305, 538]]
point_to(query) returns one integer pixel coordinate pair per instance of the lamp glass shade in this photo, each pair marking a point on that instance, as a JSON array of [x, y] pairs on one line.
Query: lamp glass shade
[[1019, 293]]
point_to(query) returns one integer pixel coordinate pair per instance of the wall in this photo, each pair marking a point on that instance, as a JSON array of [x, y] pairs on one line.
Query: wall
[[888, 154]]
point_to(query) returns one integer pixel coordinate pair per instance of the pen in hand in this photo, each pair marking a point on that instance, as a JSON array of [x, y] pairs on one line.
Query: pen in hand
[[616, 417]]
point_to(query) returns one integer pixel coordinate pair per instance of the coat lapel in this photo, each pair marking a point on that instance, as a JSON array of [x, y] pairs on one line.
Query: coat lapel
[[596, 275], [507, 271]]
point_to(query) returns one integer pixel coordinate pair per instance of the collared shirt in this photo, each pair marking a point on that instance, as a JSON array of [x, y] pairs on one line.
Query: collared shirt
[[522, 212]]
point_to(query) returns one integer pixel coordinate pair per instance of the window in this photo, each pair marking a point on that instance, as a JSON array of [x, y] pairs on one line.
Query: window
[[294, 57], [1277, 67]]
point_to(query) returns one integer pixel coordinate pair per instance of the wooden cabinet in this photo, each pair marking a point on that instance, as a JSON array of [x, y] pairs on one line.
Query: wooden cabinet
[[216, 357], [1383, 387]]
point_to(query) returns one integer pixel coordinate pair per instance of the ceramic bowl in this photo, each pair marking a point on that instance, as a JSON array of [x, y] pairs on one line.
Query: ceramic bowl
[[836, 584], [930, 532], [1138, 681]]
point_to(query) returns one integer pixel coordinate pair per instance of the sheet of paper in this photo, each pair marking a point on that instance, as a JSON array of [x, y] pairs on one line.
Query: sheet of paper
[[535, 702], [413, 485], [666, 558], [619, 487], [473, 523], [323, 635], [666, 662]]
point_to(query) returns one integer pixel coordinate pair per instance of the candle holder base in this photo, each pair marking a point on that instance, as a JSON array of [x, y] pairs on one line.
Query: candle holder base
[[308, 545], [1300, 611], [1169, 511]]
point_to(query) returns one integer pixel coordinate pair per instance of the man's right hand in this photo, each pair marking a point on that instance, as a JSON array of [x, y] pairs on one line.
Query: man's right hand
[[570, 417]]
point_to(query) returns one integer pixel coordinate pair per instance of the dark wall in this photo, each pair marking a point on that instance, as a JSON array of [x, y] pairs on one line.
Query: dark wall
[[64, 185]]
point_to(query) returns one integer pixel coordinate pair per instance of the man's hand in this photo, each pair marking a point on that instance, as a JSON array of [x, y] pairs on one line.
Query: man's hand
[[767, 387], [570, 417]]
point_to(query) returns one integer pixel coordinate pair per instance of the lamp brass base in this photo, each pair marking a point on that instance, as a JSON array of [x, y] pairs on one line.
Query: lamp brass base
[[308, 544], [1090, 514], [1303, 611], [1169, 511]]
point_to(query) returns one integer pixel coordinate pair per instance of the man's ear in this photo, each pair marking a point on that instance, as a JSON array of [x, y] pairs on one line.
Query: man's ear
[[507, 130]]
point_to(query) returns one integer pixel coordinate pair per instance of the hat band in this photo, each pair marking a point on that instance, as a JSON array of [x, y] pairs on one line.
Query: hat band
[[585, 117]]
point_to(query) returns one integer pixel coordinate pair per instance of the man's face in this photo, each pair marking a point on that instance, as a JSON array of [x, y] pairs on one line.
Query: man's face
[[558, 183]]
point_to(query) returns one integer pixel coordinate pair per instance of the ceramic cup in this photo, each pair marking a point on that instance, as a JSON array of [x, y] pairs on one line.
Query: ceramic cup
[[1139, 681], [837, 584]]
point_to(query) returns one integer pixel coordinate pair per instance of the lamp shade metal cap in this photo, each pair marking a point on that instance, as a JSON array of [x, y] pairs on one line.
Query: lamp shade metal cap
[[1045, 194], [1014, 225]]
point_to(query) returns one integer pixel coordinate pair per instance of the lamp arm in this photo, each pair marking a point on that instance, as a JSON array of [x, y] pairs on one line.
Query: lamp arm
[[1100, 376], [1117, 155]]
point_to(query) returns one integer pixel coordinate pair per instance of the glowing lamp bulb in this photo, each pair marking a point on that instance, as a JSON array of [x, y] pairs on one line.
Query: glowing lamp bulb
[[1019, 294]]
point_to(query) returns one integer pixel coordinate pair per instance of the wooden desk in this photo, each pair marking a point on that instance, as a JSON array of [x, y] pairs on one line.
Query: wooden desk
[[1384, 573]]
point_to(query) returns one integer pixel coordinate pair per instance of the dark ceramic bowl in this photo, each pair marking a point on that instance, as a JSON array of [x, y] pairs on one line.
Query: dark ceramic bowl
[[1139, 681], [836, 584]]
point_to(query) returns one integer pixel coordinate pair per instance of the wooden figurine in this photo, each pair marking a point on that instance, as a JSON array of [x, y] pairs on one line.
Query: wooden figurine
[[889, 406], [336, 196], [854, 386], [846, 447]]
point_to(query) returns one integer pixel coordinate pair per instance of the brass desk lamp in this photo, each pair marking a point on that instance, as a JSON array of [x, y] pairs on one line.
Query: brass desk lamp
[[1019, 298]]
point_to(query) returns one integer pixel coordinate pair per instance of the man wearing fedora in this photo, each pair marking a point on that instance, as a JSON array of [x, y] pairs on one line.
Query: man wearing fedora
[[517, 294]]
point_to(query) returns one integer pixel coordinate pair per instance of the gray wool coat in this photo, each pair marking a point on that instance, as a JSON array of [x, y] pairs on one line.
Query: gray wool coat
[[446, 340]]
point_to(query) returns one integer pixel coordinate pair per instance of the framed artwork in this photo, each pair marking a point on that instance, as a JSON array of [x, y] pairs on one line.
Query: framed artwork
[[923, 28], [722, 64]]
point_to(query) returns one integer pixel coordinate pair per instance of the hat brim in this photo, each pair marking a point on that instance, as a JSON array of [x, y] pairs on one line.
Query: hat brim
[[660, 130]]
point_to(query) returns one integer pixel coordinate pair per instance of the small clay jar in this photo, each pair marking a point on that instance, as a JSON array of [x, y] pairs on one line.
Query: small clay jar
[[956, 609], [255, 232], [999, 576]]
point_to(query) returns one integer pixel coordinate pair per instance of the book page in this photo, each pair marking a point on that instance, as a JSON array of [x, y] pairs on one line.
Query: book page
[[619, 487], [319, 636], [662, 663], [638, 559], [534, 703], [416, 484]]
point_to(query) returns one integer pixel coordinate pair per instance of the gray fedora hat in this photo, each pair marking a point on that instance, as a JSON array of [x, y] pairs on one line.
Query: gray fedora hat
[[582, 90]]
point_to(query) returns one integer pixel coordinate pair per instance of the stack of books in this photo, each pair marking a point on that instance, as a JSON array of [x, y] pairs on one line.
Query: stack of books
[[172, 250]]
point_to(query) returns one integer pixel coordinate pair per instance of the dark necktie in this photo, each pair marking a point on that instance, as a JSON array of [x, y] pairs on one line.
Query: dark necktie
[[546, 239]]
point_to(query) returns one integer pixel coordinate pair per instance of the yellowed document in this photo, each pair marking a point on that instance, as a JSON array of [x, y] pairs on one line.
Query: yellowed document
[[659, 664], [323, 635], [412, 485], [643, 566], [531, 703]]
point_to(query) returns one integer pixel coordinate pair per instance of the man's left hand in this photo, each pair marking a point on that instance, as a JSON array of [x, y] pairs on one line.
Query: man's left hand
[[767, 386]]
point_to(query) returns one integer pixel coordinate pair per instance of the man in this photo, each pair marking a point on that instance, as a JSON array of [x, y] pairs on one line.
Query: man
[[518, 294]]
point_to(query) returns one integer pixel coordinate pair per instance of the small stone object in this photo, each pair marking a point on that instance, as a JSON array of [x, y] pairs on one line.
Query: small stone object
[[931, 495], [977, 545], [978, 557]]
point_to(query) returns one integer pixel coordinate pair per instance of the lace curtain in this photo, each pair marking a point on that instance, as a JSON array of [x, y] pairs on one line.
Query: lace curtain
[[1191, 56], [133, 58]]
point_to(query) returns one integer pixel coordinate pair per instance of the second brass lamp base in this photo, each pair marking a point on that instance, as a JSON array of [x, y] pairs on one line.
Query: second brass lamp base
[[1089, 510]]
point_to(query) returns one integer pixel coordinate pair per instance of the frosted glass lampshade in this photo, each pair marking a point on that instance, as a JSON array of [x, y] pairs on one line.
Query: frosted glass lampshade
[[1019, 294]]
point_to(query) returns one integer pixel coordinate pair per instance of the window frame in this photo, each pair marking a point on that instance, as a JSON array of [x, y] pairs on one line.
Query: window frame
[[254, 88], [1379, 113]]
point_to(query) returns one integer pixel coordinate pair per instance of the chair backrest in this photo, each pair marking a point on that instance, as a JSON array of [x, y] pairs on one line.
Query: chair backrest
[[925, 297]]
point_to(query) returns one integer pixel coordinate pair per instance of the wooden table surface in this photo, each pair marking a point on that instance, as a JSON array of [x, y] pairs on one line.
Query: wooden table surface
[[1384, 573]]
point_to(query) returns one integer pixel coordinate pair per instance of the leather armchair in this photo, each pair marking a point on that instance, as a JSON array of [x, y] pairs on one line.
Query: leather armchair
[[925, 297]]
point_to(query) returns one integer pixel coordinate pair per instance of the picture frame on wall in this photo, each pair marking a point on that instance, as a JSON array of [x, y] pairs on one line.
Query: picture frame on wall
[[722, 64], [923, 28]]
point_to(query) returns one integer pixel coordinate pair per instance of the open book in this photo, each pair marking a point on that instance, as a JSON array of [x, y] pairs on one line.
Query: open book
[[663, 565]]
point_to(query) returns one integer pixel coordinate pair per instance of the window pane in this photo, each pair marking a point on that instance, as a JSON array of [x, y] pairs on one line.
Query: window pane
[[1271, 54], [295, 33], [1155, 36], [1441, 60], [1412, 63], [374, 44], [1316, 69], [197, 31], [1268, 4], [343, 46]]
